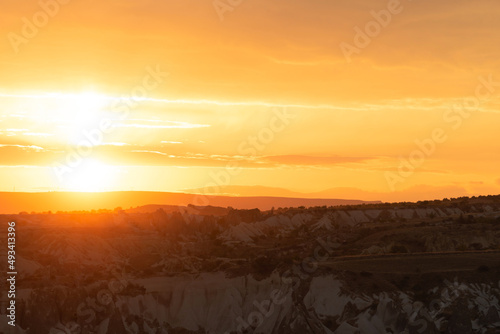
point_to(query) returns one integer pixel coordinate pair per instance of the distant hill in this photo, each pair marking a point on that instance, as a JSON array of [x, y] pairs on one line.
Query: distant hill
[[199, 210], [411, 194], [15, 202], [251, 191]]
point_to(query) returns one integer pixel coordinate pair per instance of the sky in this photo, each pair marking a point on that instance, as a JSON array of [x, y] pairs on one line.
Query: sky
[[391, 100]]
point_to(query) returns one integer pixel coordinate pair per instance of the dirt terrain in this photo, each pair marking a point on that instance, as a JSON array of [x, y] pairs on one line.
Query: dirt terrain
[[342, 269]]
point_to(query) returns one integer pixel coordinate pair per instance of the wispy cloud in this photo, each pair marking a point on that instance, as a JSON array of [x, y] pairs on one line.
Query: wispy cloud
[[315, 160], [25, 147], [152, 152], [15, 130], [161, 158], [115, 144], [169, 125], [193, 102], [37, 134]]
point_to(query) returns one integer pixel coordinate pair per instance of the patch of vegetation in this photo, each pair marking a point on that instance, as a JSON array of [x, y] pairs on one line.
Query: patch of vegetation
[[398, 249], [366, 274], [483, 268]]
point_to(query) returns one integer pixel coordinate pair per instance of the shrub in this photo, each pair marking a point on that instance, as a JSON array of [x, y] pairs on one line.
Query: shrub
[[398, 249], [366, 274], [483, 268]]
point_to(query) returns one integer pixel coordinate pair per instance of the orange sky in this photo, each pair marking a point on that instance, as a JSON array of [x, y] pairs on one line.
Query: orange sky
[[273, 71]]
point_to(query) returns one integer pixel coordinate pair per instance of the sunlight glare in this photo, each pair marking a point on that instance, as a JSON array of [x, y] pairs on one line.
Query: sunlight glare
[[82, 112], [91, 176]]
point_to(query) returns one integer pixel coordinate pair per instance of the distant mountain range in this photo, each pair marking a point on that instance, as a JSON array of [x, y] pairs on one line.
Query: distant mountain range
[[15, 202], [239, 197], [412, 194]]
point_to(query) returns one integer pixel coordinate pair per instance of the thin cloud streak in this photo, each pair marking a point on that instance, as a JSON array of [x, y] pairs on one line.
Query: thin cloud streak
[[184, 101], [176, 125], [394, 104]]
